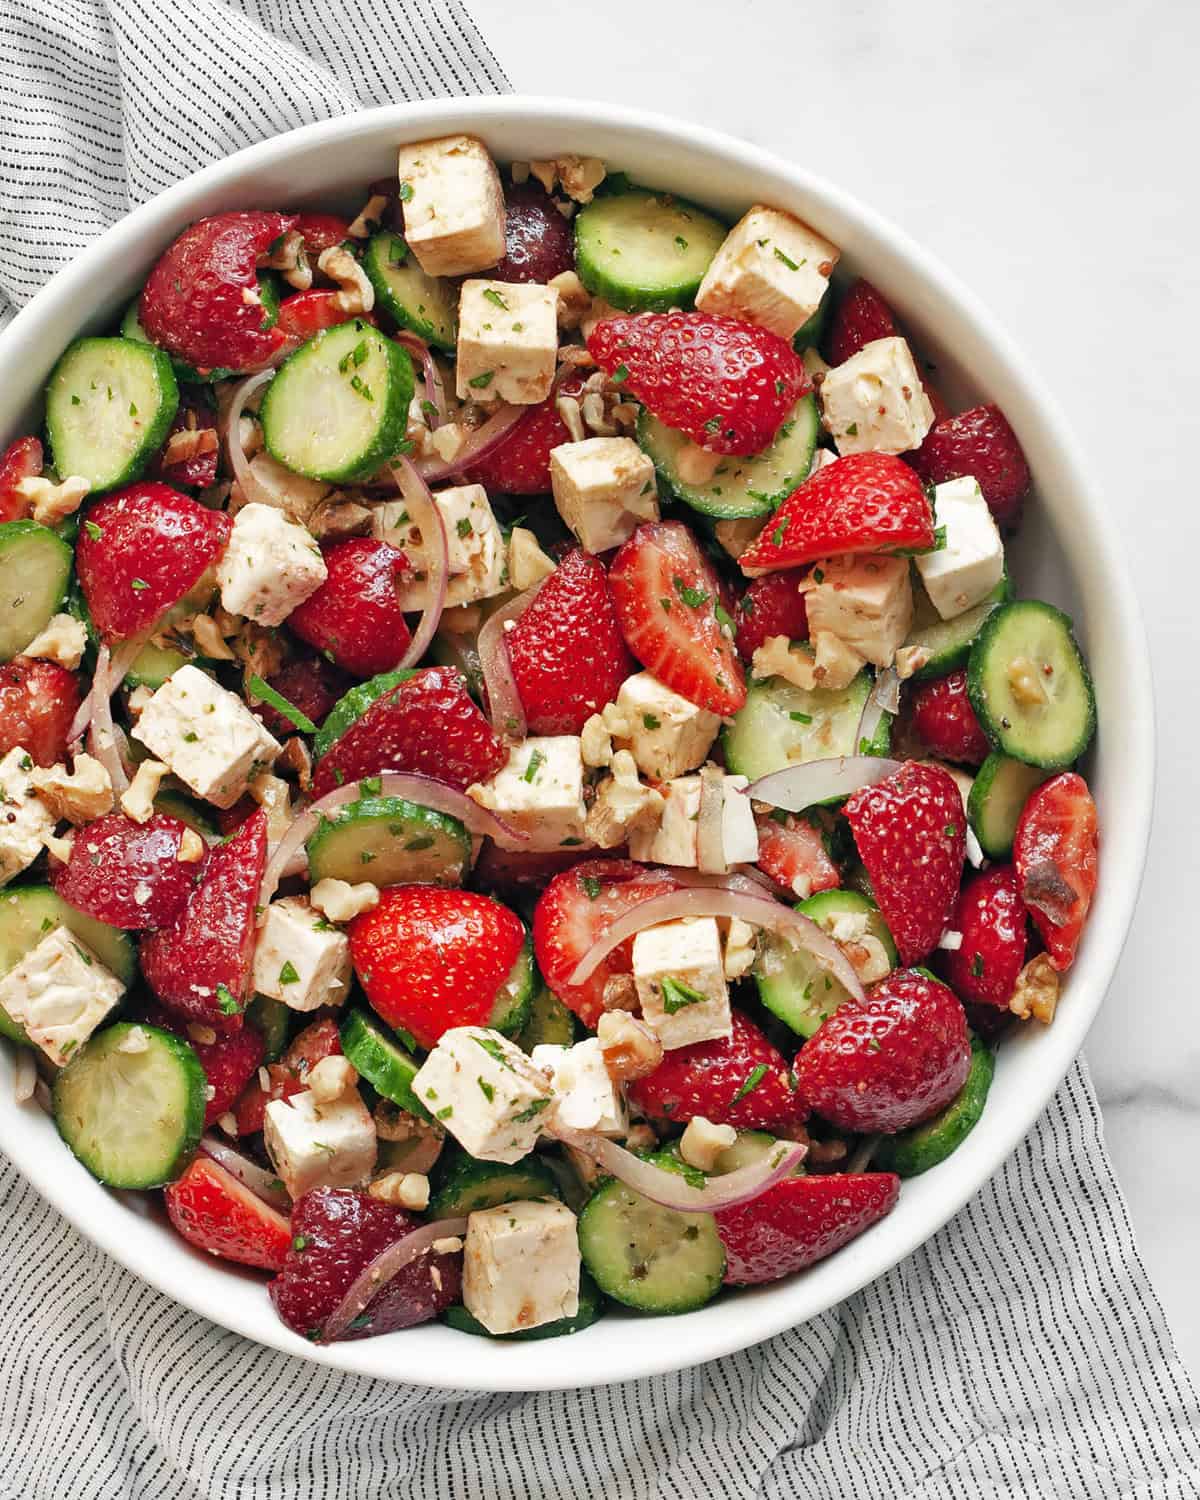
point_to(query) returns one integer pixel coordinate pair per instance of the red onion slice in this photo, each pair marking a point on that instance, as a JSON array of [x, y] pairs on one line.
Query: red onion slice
[[504, 702], [884, 698], [797, 787], [437, 555], [672, 1190], [25, 1076], [102, 735], [710, 835], [700, 901], [238, 462], [477, 447], [435, 391], [388, 1264], [109, 681], [262, 1184]]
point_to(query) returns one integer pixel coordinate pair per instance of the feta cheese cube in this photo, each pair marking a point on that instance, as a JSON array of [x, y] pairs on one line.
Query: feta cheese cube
[[269, 567], [674, 841], [667, 735], [539, 792], [680, 977], [772, 269], [25, 821], [485, 1092], [604, 489], [521, 1265], [300, 959], [865, 601], [507, 341], [320, 1145], [875, 402], [453, 205], [971, 564], [59, 992], [588, 1096], [474, 544], [206, 734]]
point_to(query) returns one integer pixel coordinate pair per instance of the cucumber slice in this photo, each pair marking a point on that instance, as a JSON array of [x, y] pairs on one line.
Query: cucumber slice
[[1030, 687], [154, 664], [998, 795], [338, 408], [948, 642], [644, 251], [782, 725], [549, 1022], [469, 1185], [131, 328], [649, 1257], [109, 406], [132, 1118], [426, 304], [351, 706], [810, 334], [35, 573], [272, 1020], [512, 1005], [740, 486], [792, 985], [390, 842], [176, 805], [386, 1066], [915, 1151], [591, 1306]]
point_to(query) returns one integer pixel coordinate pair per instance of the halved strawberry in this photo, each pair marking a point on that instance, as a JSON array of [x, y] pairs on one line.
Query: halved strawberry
[[140, 551], [1056, 853], [38, 700], [310, 684], [770, 606], [990, 917], [538, 243], [354, 617], [981, 443], [128, 874], [321, 231], [945, 721], [21, 460], [510, 874], [304, 314], [521, 464], [567, 655], [860, 317], [800, 1221], [865, 502], [667, 595], [212, 1210], [792, 852]]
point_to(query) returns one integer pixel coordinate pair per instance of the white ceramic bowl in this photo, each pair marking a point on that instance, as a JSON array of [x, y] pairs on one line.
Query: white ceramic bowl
[[1066, 553]]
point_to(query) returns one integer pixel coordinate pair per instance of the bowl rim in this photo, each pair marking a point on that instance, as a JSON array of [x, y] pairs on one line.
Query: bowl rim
[[768, 1311]]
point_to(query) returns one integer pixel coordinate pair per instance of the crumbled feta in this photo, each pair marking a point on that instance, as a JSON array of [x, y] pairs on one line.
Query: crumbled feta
[[674, 841], [875, 402], [342, 902], [527, 563], [539, 792], [474, 546], [588, 1098], [604, 489], [270, 566], [485, 1092], [315, 1145], [453, 205], [825, 661], [772, 269], [300, 959], [680, 976], [80, 797], [507, 341], [25, 821], [62, 639], [865, 601], [970, 565], [59, 992], [521, 1266]]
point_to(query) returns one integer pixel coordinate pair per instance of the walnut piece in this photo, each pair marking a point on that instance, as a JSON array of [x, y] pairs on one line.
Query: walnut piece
[[629, 1047], [1037, 990], [81, 796]]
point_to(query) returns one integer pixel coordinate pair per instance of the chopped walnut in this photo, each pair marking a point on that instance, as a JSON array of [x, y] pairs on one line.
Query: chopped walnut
[[824, 662], [340, 517], [403, 1190], [191, 847], [575, 355], [596, 416], [910, 659], [702, 1142], [619, 993], [369, 218], [355, 292], [630, 1049], [1037, 990], [62, 639], [189, 443], [580, 176], [737, 536], [330, 1078], [138, 801], [289, 256], [527, 563], [740, 948], [641, 1137], [339, 901], [80, 797], [571, 417], [447, 439], [413, 1145], [296, 758], [258, 648], [574, 299], [209, 640], [623, 804], [52, 502]]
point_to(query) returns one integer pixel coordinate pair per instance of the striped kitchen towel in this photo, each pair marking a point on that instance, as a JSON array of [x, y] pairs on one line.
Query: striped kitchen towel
[[1021, 1352]]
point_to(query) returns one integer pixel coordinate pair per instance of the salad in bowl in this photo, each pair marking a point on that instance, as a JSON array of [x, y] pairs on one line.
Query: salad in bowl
[[528, 783]]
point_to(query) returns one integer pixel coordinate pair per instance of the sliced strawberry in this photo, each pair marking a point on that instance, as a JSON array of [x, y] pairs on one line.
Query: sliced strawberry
[[22, 460], [567, 654], [865, 502], [911, 835], [321, 231], [509, 874], [200, 301], [199, 471], [212, 1210], [128, 874], [890, 1061], [945, 721], [729, 385], [1057, 855], [431, 959], [792, 852], [538, 243], [310, 684], [200, 965], [428, 724], [355, 616], [800, 1221], [860, 317], [739, 1080], [978, 442], [307, 313], [576, 909], [990, 916], [771, 606], [38, 700], [288, 1076], [229, 1062], [521, 464], [667, 595], [140, 551]]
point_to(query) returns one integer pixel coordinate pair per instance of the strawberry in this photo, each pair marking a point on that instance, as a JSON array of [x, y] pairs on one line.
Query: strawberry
[[799, 1221], [428, 724], [772, 605], [319, 1039], [739, 1080], [140, 551], [307, 313], [128, 874], [792, 852], [508, 874], [310, 684], [667, 596], [431, 959], [200, 965], [200, 301], [865, 502], [1056, 853], [21, 460], [197, 472], [354, 618], [981, 443], [860, 317], [991, 918], [321, 232], [336, 1234], [229, 1063], [212, 1210], [945, 721], [521, 464], [538, 243], [38, 700], [729, 385], [576, 909], [890, 1061], [910, 833], [567, 655]]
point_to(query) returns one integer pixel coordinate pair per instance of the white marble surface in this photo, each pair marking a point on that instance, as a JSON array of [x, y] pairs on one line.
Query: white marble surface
[[1045, 153]]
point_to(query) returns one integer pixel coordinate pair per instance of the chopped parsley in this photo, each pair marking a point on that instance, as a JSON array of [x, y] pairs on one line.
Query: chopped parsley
[[787, 260], [852, 430], [798, 718], [676, 995], [267, 694], [226, 1004], [591, 886], [651, 722], [406, 192], [751, 1081], [139, 584], [93, 530], [495, 298], [977, 966], [288, 975], [486, 1089], [680, 243], [778, 534], [873, 1044], [481, 382], [620, 374], [531, 1111], [444, 1114], [694, 598], [536, 761], [463, 526], [494, 1050]]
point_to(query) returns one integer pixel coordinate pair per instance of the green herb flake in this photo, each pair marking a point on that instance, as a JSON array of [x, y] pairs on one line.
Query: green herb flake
[[798, 718], [494, 297], [463, 526], [977, 966], [414, 846], [82, 954], [650, 722], [494, 1050], [406, 192], [950, 830], [873, 1044], [778, 534], [786, 259], [694, 598], [620, 375], [300, 1243], [723, 617], [288, 975], [94, 531], [680, 243], [536, 760], [486, 1089], [444, 1114], [139, 584], [591, 887], [852, 430], [265, 693], [481, 382], [751, 1081], [226, 1004], [676, 995], [531, 1112]]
